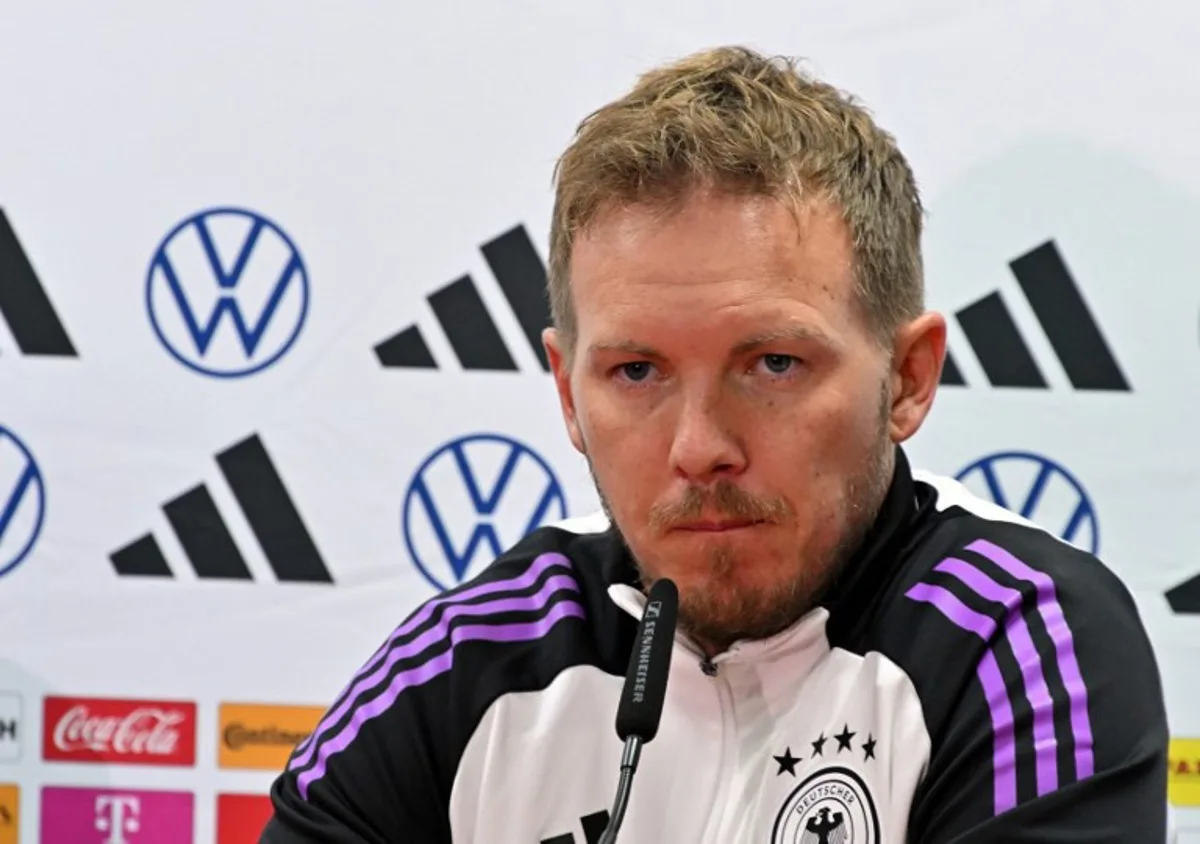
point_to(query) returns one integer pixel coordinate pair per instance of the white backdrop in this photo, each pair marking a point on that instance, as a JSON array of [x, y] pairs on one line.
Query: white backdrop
[[383, 148]]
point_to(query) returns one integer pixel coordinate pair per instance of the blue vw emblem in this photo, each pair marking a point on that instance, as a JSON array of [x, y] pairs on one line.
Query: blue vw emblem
[[473, 498], [1040, 490], [22, 501], [227, 292]]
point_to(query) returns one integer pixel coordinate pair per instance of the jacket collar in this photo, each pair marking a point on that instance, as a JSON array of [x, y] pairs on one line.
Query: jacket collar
[[855, 593]]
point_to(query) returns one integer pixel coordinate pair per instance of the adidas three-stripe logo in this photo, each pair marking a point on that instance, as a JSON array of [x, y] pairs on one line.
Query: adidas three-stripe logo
[[24, 305], [465, 320], [1076, 339], [593, 828], [1051, 690], [206, 538], [518, 609], [1185, 598]]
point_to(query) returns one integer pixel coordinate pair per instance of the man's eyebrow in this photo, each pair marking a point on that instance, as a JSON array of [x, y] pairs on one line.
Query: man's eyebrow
[[796, 333], [625, 346]]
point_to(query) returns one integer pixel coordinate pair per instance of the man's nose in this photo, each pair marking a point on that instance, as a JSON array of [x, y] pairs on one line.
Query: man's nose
[[705, 448]]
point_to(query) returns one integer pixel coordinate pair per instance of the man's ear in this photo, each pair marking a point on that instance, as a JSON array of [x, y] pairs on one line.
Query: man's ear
[[919, 353], [560, 366]]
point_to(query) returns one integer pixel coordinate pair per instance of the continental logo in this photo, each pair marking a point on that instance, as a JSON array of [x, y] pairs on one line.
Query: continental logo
[[1183, 783], [262, 737], [10, 806]]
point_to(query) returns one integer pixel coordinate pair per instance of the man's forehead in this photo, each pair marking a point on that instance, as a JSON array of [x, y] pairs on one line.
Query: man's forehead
[[743, 276], [635, 244], [793, 218]]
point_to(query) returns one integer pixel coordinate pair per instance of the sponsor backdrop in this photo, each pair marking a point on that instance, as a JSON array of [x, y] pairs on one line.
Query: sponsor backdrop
[[270, 293]]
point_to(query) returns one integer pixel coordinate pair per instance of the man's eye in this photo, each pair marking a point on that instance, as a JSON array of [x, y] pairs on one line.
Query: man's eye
[[637, 371], [778, 364]]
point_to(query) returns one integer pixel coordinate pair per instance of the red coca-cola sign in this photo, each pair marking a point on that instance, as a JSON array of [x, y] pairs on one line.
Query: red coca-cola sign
[[133, 732]]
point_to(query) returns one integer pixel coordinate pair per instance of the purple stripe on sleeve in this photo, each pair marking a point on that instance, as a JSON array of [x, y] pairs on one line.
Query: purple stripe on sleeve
[[1064, 645], [429, 670], [360, 684], [1004, 748], [954, 609], [1036, 691], [1004, 745], [438, 633]]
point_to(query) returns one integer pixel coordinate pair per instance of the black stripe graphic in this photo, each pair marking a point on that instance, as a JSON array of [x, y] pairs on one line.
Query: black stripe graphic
[[406, 349], [522, 277], [269, 509], [26, 308], [951, 374], [469, 328], [593, 826], [1064, 316], [1185, 598], [141, 558], [204, 536], [1002, 353]]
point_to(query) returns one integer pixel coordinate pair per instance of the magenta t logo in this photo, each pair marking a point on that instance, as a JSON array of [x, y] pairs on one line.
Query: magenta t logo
[[116, 816]]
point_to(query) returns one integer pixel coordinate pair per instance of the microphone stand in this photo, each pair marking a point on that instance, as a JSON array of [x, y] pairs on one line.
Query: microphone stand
[[629, 763]]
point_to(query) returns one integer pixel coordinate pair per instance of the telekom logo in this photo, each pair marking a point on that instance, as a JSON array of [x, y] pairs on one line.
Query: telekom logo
[[117, 815], [72, 815]]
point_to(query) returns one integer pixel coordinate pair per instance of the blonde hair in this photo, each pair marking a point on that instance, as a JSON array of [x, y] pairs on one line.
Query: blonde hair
[[736, 120]]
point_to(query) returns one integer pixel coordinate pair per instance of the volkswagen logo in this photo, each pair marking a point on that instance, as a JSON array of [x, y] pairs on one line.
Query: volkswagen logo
[[227, 292], [473, 498], [22, 501], [1038, 489]]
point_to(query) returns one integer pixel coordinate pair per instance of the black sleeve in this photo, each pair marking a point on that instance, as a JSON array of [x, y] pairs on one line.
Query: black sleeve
[[382, 763], [1058, 732], [368, 774]]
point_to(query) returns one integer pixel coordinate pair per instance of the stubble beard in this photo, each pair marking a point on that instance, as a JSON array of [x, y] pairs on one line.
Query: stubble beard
[[728, 611]]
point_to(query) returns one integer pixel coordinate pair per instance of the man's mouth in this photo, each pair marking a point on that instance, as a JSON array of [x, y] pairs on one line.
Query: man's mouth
[[716, 525]]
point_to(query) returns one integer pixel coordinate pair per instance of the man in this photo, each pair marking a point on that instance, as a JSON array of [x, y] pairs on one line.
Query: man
[[866, 653]]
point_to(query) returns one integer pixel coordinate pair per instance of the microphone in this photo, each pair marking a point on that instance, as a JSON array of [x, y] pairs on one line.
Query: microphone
[[645, 690]]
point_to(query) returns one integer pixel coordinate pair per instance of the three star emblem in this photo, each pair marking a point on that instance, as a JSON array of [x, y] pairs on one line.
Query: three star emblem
[[845, 743]]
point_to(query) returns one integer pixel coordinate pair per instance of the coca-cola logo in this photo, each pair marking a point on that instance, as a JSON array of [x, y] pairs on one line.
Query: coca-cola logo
[[144, 731], [107, 731]]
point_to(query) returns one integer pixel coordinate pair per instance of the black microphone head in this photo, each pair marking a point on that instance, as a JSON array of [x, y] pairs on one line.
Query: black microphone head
[[645, 689]]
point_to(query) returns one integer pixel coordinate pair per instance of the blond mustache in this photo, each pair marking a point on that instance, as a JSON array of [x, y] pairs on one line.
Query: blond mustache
[[725, 499]]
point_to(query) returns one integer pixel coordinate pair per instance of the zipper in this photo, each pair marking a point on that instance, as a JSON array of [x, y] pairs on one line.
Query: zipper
[[710, 665], [714, 828]]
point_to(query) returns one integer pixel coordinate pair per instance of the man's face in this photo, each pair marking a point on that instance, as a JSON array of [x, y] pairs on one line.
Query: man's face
[[734, 409]]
